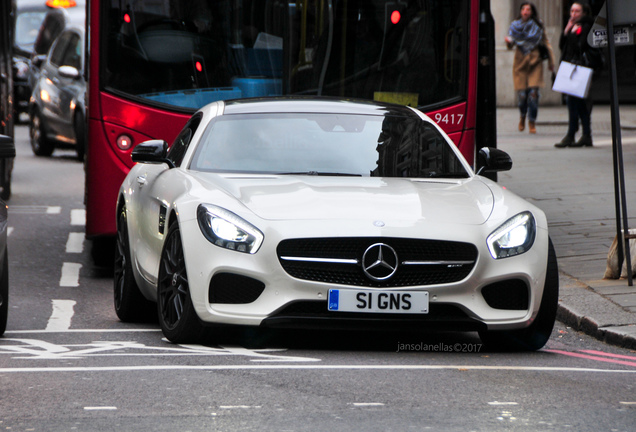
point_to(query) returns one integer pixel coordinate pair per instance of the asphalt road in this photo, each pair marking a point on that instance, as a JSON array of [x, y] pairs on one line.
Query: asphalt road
[[67, 363]]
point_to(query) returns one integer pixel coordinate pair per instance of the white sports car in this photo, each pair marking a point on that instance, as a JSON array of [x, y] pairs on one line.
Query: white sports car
[[321, 213]]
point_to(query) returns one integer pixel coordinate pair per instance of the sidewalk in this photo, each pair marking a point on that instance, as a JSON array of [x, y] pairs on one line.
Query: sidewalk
[[575, 187]]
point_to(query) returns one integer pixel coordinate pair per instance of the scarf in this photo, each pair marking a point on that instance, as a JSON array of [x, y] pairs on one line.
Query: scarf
[[526, 35]]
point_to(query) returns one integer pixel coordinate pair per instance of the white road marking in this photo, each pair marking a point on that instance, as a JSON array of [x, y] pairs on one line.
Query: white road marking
[[239, 406], [9, 231], [627, 403], [100, 408], [62, 314], [309, 367], [75, 243], [17, 209], [367, 404], [36, 348], [235, 350], [8, 332], [497, 403], [23, 348], [78, 217], [70, 274]]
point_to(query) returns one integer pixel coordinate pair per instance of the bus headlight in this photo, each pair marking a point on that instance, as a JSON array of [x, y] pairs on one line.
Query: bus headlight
[[124, 142]]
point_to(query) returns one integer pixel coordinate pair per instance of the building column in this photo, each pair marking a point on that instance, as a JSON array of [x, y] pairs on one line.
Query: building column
[[504, 12]]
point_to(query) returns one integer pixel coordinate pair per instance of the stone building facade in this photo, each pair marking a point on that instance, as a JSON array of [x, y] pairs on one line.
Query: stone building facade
[[504, 12]]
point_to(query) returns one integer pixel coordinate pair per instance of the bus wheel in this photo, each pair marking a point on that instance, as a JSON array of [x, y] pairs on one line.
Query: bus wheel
[[40, 145], [80, 135]]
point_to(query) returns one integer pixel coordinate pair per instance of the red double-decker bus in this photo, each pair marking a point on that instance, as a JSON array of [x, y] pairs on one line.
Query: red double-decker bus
[[152, 63]]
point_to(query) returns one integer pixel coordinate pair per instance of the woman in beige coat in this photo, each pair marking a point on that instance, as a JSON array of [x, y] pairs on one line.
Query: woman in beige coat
[[526, 34]]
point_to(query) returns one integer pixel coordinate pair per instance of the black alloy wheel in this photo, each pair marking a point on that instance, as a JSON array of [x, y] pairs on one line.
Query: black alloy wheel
[[130, 304], [178, 319]]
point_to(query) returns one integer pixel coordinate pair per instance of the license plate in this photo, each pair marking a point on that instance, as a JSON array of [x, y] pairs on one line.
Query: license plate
[[404, 302]]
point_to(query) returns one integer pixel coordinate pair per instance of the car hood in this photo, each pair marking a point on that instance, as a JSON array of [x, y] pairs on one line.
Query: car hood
[[466, 201]]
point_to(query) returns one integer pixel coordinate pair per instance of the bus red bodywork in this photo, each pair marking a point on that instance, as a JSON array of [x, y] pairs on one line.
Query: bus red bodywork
[[111, 116]]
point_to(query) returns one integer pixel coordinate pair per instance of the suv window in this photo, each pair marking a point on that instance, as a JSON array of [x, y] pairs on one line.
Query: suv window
[[57, 55], [73, 52]]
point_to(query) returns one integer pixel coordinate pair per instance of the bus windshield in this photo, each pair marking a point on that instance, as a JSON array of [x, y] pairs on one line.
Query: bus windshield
[[185, 54]]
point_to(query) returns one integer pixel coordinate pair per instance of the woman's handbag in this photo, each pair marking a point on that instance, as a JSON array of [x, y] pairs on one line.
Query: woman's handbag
[[543, 51], [573, 80]]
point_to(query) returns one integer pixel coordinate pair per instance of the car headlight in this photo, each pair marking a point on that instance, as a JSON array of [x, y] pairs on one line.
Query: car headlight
[[227, 230], [514, 237]]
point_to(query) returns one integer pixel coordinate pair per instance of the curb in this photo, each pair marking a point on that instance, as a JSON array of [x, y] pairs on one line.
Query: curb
[[624, 126], [621, 335]]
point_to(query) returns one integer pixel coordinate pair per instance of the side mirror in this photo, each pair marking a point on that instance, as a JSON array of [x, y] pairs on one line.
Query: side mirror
[[7, 148], [37, 60], [492, 160], [69, 72], [152, 151]]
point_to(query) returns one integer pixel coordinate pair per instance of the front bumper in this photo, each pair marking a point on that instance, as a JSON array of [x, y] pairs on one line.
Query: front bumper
[[22, 94], [284, 301]]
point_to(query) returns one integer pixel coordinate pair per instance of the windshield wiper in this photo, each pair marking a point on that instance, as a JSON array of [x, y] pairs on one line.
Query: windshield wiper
[[446, 175]]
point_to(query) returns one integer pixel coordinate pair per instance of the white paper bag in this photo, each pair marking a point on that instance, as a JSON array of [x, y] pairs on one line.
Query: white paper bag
[[573, 80]]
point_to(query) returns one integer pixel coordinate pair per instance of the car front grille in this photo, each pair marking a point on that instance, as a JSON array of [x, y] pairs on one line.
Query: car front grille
[[340, 261]]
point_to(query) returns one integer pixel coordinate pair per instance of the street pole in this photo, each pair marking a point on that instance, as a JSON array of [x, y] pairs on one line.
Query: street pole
[[617, 147]]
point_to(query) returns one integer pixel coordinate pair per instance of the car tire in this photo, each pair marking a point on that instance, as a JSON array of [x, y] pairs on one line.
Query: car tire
[[130, 304], [4, 293], [177, 317], [40, 145], [6, 169], [538, 333], [80, 135]]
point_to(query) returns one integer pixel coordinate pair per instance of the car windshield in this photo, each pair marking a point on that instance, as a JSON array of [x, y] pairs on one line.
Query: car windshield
[[27, 26], [326, 144]]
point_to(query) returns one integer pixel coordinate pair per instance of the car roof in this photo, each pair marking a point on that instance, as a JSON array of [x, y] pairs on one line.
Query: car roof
[[314, 104], [31, 5], [75, 14]]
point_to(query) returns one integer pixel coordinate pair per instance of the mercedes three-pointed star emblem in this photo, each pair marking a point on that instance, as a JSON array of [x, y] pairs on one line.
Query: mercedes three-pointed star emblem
[[379, 262]]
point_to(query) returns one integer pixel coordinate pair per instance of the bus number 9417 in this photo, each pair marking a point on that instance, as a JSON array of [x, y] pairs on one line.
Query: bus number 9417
[[453, 119]]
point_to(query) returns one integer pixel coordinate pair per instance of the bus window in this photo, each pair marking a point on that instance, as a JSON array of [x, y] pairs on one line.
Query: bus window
[[191, 53]]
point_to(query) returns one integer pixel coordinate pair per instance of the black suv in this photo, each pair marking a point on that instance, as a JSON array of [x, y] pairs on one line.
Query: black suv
[[29, 17]]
